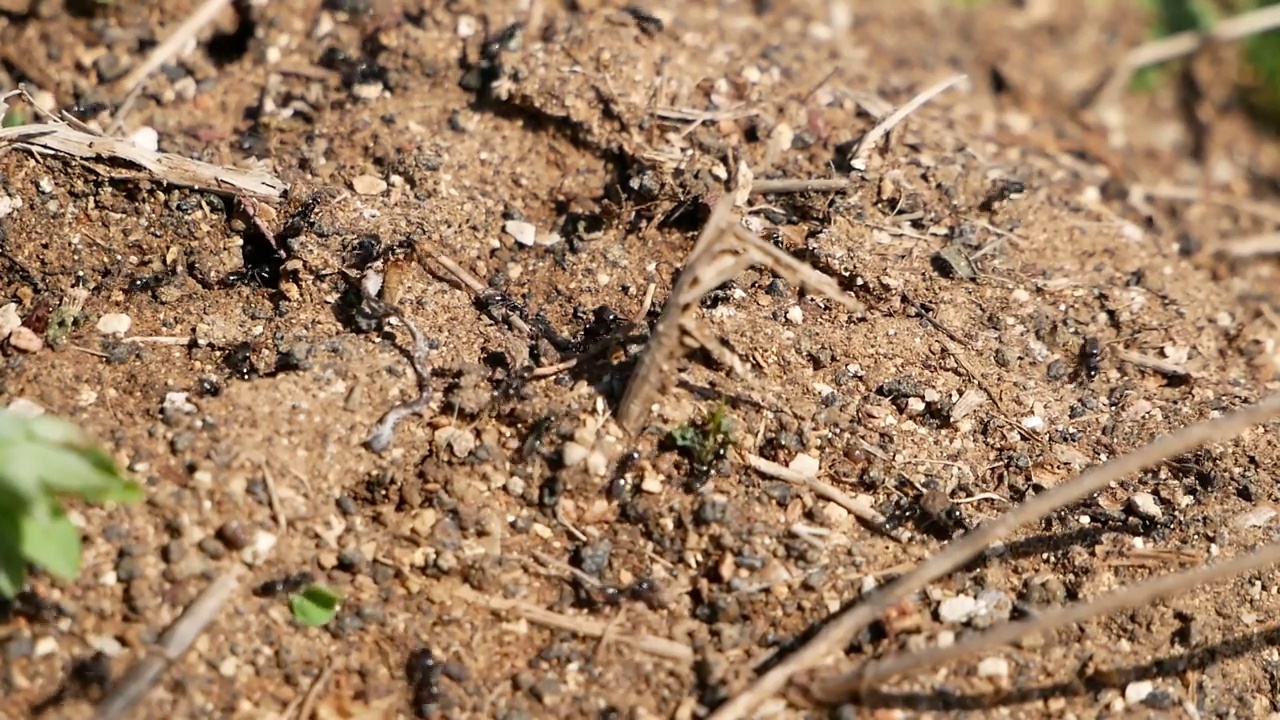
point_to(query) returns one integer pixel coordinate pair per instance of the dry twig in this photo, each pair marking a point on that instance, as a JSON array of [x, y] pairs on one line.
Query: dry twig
[[126, 694], [780, 187], [1174, 46], [274, 498], [882, 128], [1163, 367], [859, 507], [837, 689], [723, 250], [650, 644], [130, 84], [379, 438], [95, 151], [844, 627]]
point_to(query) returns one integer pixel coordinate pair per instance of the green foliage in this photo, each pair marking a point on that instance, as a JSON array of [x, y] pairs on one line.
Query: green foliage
[[315, 605], [42, 461], [705, 442]]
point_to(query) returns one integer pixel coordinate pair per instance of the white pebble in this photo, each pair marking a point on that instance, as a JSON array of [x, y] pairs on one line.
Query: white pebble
[[146, 138], [805, 464], [1137, 691], [9, 320], [795, 315], [178, 402], [1033, 422], [22, 407], [47, 645], [524, 233], [597, 464], [1144, 505], [572, 454], [9, 204], [26, 340], [957, 609], [262, 544], [114, 324], [369, 185], [993, 667]]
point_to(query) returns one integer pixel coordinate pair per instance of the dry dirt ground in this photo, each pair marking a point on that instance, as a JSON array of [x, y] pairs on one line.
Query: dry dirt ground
[[401, 130]]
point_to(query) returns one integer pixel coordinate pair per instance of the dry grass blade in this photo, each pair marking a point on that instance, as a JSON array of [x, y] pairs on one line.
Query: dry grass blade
[[648, 644], [856, 507], [135, 684], [1185, 43], [882, 128], [723, 250], [844, 627], [781, 187], [843, 687], [62, 140], [1252, 246]]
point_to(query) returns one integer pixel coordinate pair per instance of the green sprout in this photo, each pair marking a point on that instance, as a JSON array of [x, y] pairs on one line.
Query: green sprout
[[44, 460], [705, 442], [315, 605]]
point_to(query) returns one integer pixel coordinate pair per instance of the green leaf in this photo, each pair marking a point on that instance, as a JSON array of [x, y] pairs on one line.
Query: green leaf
[[13, 567], [315, 605], [53, 544]]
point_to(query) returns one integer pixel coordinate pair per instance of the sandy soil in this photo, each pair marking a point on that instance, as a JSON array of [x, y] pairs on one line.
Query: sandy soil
[[403, 132]]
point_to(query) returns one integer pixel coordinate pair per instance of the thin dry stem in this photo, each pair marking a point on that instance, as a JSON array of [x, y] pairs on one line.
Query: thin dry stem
[[842, 687], [882, 128], [1163, 367], [1193, 194], [1178, 45], [649, 644], [784, 186], [841, 630], [1251, 246], [172, 45], [111, 156], [857, 507], [379, 438], [133, 687], [277, 509], [723, 250]]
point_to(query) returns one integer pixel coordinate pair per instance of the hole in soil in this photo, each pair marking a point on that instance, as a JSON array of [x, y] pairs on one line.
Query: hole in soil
[[226, 48]]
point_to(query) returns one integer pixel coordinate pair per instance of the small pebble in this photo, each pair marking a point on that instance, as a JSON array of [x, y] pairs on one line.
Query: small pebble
[[1144, 505], [25, 339], [146, 138], [369, 185], [9, 320], [957, 609], [524, 233], [993, 667], [1137, 691], [234, 535], [114, 324], [572, 454]]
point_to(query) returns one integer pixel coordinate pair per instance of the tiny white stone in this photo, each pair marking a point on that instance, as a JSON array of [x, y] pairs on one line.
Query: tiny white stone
[[9, 320], [1144, 505], [9, 204], [957, 609], [795, 315], [467, 26], [146, 138], [651, 485], [23, 407], [114, 324], [26, 340], [805, 464], [597, 463], [523, 232], [45, 185], [263, 543], [572, 454], [46, 645], [993, 667], [1033, 422], [178, 401], [1137, 691], [946, 639], [368, 185]]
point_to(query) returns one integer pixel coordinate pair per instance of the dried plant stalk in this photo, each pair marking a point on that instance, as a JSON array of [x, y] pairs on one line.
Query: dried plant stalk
[[842, 687], [723, 250], [844, 627]]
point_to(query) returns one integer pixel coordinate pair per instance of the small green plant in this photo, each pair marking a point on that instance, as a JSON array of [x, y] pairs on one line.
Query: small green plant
[[44, 460], [314, 605], [705, 442]]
